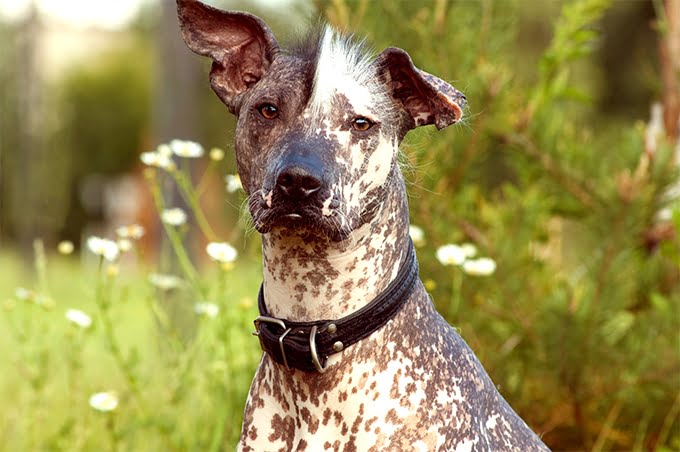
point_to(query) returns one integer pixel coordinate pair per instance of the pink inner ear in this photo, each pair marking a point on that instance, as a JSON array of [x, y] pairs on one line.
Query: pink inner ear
[[450, 97], [426, 98]]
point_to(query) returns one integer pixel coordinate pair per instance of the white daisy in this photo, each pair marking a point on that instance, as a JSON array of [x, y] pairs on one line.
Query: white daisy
[[165, 282], [21, 293], [233, 182], [158, 160], [79, 318], [469, 249], [124, 245], [483, 266], [133, 231], [450, 254], [207, 309], [187, 149], [174, 216], [103, 247], [104, 401], [417, 235], [221, 252], [164, 150]]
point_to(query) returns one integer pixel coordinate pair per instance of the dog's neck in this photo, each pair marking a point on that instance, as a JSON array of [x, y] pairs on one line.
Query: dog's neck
[[311, 278]]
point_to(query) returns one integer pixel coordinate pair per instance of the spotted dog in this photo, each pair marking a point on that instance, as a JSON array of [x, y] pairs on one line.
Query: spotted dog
[[356, 356]]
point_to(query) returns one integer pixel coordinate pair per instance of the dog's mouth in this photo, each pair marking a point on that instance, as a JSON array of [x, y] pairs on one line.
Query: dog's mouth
[[324, 220]]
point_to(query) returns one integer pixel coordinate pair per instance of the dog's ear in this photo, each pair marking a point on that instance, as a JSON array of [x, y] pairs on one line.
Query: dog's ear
[[241, 46], [425, 98]]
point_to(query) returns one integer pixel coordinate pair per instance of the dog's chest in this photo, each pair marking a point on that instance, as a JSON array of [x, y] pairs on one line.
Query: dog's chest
[[391, 390], [363, 411]]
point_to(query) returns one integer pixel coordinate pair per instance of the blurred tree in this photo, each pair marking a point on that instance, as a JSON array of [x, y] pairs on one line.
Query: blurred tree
[[627, 38], [25, 162], [104, 109], [8, 120]]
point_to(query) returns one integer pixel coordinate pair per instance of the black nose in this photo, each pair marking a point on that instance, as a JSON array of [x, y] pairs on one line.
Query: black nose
[[298, 181]]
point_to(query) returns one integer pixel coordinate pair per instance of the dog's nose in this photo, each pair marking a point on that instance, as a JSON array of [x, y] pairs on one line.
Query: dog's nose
[[298, 181]]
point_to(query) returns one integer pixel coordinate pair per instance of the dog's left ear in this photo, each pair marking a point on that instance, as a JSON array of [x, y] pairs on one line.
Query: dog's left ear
[[240, 44], [425, 98]]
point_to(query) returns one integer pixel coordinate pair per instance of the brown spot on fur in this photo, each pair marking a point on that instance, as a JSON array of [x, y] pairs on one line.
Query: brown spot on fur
[[356, 424], [326, 416], [392, 416], [284, 429], [252, 432], [311, 420], [350, 446], [369, 423]]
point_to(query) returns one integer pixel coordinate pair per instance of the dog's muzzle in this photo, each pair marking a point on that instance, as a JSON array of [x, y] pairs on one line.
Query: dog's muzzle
[[299, 182]]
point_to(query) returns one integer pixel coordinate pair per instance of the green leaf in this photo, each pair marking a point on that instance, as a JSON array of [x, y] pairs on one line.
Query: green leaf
[[617, 326], [660, 303]]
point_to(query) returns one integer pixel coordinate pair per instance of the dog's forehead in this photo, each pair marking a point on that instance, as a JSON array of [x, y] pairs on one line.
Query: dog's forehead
[[344, 71], [330, 75], [288, 80]]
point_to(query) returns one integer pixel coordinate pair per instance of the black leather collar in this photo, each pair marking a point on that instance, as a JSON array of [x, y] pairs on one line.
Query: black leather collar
[[307, 345]]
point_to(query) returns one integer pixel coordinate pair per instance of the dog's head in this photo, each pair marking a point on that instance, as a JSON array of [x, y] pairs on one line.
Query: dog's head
[[319, 125]]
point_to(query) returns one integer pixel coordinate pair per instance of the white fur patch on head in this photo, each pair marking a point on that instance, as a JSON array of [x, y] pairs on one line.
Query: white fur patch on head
[[344, 67]]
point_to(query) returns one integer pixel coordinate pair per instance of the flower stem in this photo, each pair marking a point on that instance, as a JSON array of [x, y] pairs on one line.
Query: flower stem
[[103, 302], [111, 428], [219, 428], [40, 261], [183, 258], [456, 288], [176, 242], [203, 180], [189, 194]]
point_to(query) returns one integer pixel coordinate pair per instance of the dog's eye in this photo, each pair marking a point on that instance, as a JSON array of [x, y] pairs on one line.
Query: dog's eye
[[268, 111], [362, 124]]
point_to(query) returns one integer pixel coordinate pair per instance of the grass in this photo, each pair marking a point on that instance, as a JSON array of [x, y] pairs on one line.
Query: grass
[[175, 362], [181, 385], [179, 376]]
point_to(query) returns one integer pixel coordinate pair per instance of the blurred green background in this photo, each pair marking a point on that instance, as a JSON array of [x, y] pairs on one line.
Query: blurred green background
[[565, 172]]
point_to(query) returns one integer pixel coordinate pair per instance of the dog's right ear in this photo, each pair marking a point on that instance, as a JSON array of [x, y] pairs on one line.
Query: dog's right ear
[[241, 46]]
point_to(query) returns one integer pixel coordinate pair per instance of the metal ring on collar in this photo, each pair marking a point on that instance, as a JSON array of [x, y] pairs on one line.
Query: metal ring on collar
[[312, 350]]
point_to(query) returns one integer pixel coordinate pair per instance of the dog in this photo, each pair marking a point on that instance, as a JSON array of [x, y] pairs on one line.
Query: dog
[[356, 357]]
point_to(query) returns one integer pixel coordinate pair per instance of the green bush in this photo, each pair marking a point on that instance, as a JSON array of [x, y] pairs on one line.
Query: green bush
[[579, 323]]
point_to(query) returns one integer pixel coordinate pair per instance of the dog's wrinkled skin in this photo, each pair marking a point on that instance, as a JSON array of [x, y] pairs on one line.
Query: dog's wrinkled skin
[[316, 146]]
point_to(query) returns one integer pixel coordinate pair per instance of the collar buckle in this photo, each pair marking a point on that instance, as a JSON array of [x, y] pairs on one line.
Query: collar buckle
[[282, 324]]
